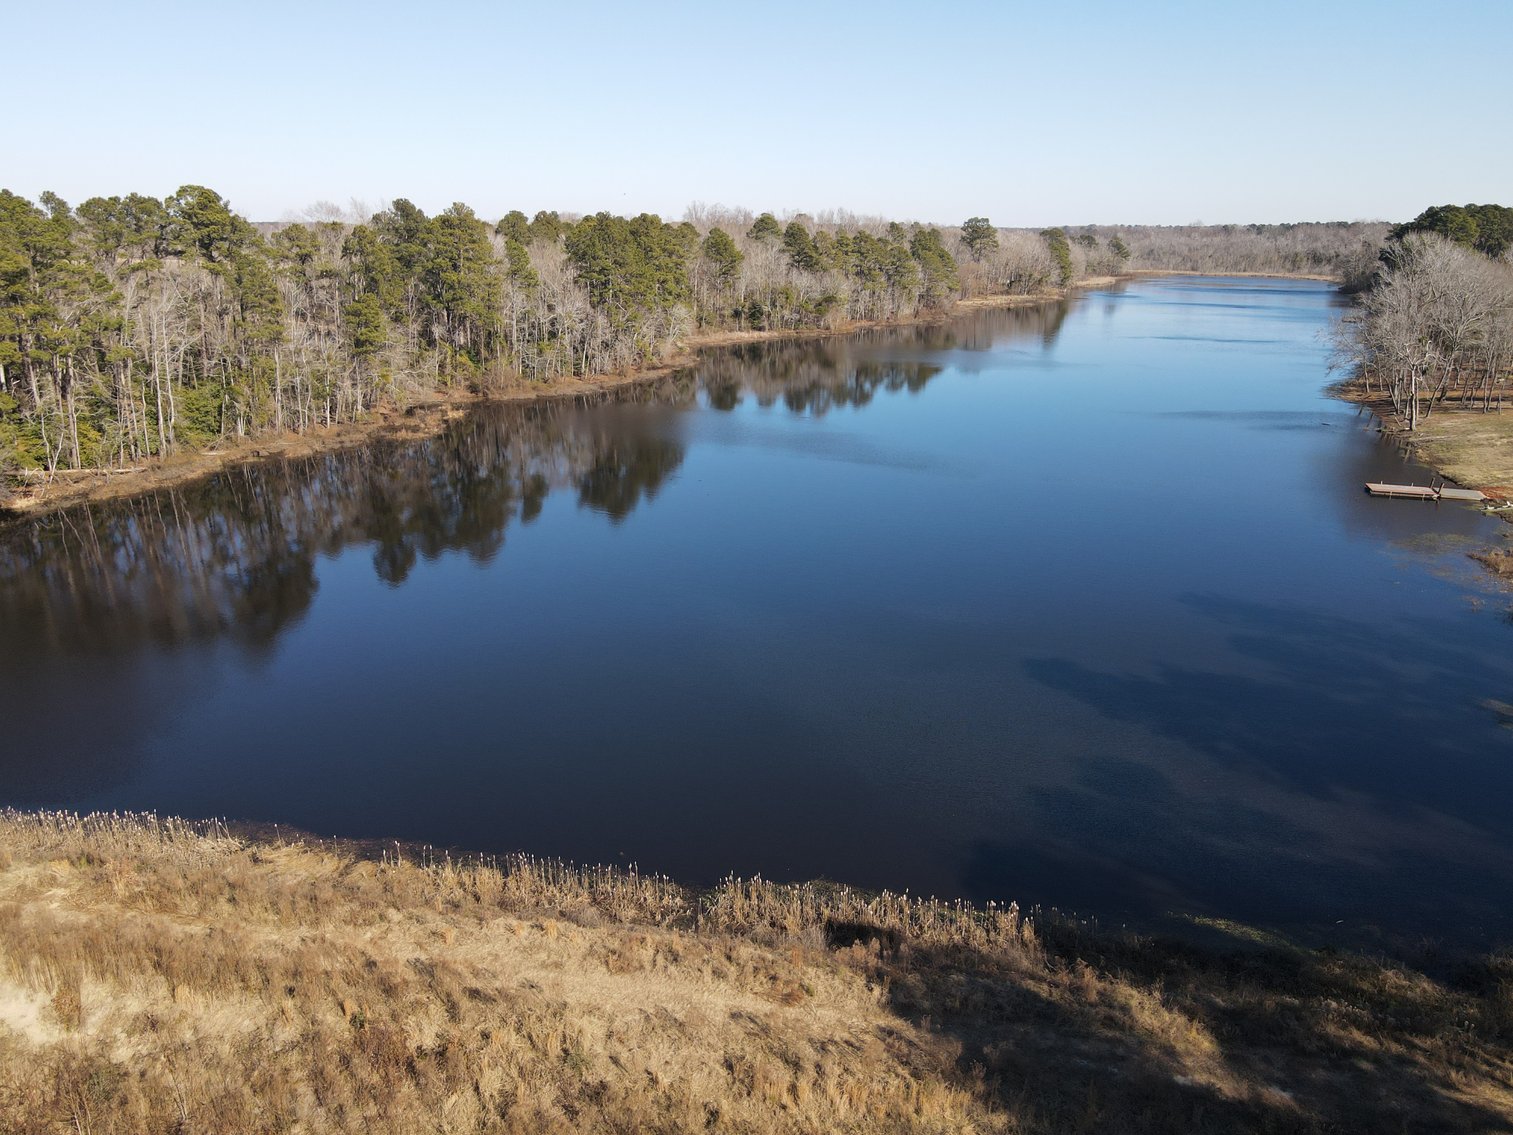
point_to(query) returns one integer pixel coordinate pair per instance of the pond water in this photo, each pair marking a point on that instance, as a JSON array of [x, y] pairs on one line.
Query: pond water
[[1080, 605]]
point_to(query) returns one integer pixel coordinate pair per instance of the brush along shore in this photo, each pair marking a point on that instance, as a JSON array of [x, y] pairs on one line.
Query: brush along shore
[[163, 976]]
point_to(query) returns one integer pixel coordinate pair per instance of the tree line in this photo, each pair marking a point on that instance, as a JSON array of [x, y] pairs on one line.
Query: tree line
[[1344, 251], [132, 327], [1435, 327]]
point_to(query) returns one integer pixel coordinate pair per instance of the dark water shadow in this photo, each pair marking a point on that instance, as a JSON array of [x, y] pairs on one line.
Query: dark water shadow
[[1331, 800]]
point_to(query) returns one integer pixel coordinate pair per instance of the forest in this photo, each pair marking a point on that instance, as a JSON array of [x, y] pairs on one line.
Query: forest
[[1435, 326], [133, 327]]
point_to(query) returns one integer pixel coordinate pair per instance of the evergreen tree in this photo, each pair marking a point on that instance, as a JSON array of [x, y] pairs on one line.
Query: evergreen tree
[[1061, 252], [365, 326], [521, 273], [766, 229], [202, 222], [980, 237], [900, 270], [1486, 228], [546, 228], [297, 244], [723, 257], [461, 280], [514, 226], [404, 230], [802, 254], [374, 267], [629, 265], [936, 265]]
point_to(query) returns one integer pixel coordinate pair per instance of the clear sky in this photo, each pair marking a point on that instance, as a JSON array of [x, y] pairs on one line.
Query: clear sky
[[1029, 113]]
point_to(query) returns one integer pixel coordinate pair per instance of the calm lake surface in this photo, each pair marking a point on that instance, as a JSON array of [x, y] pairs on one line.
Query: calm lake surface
[[1079, 605]]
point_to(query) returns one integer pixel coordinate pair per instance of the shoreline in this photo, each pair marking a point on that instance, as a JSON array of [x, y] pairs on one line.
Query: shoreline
[[173, 974], [1463, 445], [1145, 272], [426, 417]]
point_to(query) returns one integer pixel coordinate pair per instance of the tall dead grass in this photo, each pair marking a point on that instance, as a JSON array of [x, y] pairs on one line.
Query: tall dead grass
[[158, 975]]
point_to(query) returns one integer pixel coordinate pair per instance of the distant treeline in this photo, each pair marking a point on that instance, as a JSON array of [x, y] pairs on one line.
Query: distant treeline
[[1435, 327], [132, 326], [1346, 251]]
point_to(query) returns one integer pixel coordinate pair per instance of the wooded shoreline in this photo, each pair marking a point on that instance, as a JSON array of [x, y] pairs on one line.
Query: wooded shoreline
[[137, 333], [1467, 447], [427, 416]]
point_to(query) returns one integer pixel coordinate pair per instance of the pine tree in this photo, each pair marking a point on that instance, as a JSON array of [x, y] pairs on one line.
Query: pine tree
[[802, 254], [766, 229], [936, 264], [1061, 253], [514, 226], [980, 237], [723, 257]]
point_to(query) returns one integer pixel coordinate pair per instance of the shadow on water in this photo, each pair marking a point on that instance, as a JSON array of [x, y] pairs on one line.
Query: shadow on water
[[233, 560], [1360, 802], [812, 379], [233, 556], [773, 683]]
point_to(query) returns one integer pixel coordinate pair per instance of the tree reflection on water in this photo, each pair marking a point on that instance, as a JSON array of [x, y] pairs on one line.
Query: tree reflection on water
[[234, 556]]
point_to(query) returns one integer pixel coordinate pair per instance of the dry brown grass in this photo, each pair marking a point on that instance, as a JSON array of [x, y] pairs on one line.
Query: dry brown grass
[[1499, 561], [169, 977], [1470, 446]]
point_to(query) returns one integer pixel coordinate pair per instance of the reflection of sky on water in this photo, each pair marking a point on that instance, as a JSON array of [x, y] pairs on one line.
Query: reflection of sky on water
[[1080, 605]]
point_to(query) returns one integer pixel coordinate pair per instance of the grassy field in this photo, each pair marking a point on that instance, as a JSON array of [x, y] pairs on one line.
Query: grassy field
[[1469, 447], [168, 977]]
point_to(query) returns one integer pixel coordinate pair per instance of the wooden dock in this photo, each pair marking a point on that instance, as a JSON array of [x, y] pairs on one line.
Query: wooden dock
[[1424, 492], [1413, 492]]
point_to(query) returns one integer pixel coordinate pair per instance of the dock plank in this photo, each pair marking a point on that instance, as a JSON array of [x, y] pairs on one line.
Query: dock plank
[[1414, 492]]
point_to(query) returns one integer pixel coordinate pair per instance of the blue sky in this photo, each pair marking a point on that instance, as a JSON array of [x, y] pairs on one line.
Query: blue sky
[[1031, 114]]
